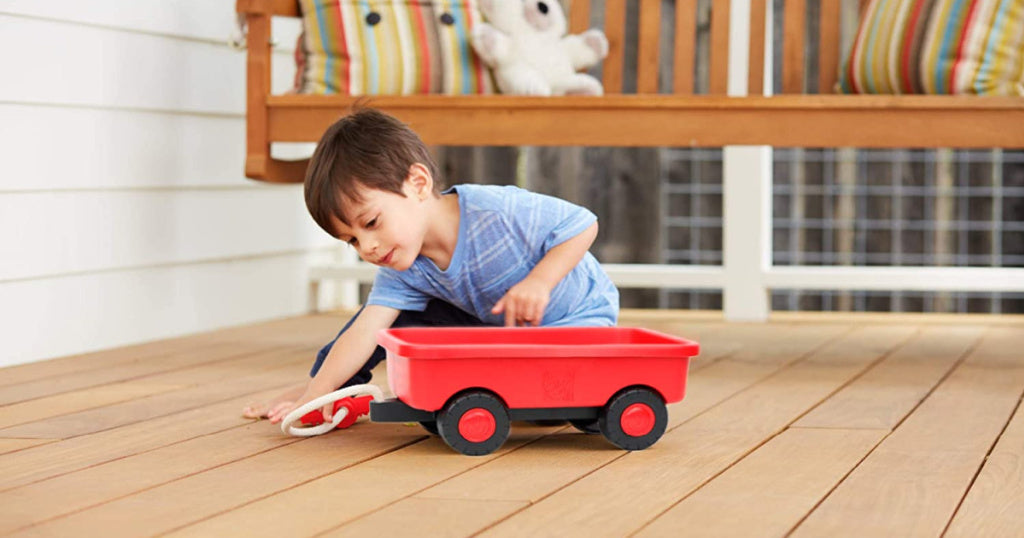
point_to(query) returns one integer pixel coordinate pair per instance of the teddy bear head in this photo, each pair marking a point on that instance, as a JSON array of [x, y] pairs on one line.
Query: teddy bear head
[[515, 17]]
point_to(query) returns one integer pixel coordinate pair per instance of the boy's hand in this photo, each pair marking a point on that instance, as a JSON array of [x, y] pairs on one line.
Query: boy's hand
[[524, 303], [281, 410]]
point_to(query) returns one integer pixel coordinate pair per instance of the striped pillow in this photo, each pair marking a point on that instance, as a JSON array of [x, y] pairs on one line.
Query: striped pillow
[[938, 47], [393, 47]]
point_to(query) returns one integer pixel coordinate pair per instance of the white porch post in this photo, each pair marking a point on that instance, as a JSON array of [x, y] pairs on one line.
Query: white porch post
[[747, 191]]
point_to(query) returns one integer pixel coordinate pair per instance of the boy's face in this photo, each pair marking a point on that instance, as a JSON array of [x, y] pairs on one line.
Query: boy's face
[[386, 229]]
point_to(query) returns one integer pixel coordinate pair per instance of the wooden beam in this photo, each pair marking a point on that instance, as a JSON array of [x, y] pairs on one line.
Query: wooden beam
[[257, 67], [674, 120], [283, 8]]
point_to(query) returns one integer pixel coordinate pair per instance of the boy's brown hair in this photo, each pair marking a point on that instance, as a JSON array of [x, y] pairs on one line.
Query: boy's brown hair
[[365, 149]]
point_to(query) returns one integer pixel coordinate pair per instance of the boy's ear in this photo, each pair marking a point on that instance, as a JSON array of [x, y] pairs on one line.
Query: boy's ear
[[421, 180]]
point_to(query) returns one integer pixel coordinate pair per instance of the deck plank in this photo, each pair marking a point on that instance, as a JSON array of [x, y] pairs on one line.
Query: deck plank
[[606, 503], [69, 455], [992, 508], [448, 517], [885, 394], [63, 404], [913, 482], [775, 415], [771, 490], [361, 488], [14, 445], [185, 389], [172, 505], [302, 330], [40, 501]]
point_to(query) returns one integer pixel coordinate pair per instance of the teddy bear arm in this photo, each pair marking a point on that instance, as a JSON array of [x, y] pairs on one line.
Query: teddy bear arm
[[491, 44], [583, 50]]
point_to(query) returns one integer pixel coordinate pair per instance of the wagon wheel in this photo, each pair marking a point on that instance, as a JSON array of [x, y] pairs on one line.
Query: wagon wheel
[[634, 418], [430, 426], [474, 423]]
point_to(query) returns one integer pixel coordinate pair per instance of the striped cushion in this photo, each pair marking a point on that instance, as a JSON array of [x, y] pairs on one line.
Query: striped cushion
[[938, 47], [396, 47]]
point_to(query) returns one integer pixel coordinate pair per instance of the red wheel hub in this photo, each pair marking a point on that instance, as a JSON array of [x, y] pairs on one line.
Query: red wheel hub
[[637, 420], [476, 425]]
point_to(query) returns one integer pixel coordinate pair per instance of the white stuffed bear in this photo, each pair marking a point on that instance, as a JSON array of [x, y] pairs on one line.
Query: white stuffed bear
[[524, 43]]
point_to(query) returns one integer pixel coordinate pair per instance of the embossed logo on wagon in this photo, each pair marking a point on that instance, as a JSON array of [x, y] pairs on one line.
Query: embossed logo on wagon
[[558, 385]]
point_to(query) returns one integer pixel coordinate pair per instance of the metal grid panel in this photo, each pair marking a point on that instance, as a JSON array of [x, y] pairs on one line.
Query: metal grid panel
[[860, 207]]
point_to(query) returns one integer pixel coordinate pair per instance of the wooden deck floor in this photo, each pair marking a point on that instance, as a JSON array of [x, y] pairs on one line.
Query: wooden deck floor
[[808, 425]]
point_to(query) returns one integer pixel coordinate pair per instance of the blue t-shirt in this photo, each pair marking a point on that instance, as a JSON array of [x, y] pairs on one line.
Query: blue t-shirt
[[503, 233]]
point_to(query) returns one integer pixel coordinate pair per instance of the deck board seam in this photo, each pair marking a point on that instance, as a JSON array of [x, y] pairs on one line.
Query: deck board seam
[[956, 365], [197, 366], [435, 484], [774, 435], [291, 487], [154, 486], [160, 447], [981, 466]]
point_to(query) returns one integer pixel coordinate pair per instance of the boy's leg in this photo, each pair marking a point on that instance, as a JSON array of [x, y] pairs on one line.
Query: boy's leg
[[437, 314]]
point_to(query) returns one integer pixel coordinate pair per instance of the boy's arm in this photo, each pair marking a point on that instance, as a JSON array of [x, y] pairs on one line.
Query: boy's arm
[[346, 357], [525, 302]]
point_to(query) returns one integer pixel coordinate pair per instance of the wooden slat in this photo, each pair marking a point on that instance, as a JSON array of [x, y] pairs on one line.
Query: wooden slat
[[912, 483], [382, 481], [41, 501], [615, 31], [70, 455], [908, 375], [828, 49], [648, 50], [684, 48], [129, 369], [258, 73], [287, 8], [579, 16], [14, 445], [992, 507], [194, 390], [793, 45], [455, 517], [605, 502], [175, 504], [770, 491], [755, 80], [679, 120], [719, 58], [71, 402]]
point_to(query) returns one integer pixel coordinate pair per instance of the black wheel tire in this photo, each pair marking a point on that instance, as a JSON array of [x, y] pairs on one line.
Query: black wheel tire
[[610, 422], [451, 414], [430, 426], [589, 427]]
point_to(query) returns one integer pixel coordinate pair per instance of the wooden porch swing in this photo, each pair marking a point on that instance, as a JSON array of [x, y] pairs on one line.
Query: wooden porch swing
[[727, 115]]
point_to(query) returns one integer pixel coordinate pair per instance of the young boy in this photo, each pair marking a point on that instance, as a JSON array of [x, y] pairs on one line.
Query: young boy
[[471, 255]]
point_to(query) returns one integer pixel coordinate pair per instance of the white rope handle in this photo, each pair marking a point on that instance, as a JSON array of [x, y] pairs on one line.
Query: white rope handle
[[317, 403]]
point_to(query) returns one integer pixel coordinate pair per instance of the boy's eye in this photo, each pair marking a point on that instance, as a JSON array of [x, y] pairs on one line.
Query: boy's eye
[[372, 222], [352, 241]]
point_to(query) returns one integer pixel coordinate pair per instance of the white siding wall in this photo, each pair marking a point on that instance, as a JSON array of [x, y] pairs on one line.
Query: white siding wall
[[124, 214]]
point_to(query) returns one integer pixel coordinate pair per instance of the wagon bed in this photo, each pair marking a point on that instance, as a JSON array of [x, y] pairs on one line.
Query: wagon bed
[[612, 380]]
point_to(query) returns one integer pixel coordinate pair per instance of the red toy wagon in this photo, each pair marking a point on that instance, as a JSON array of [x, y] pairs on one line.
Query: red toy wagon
[[467, 384]]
